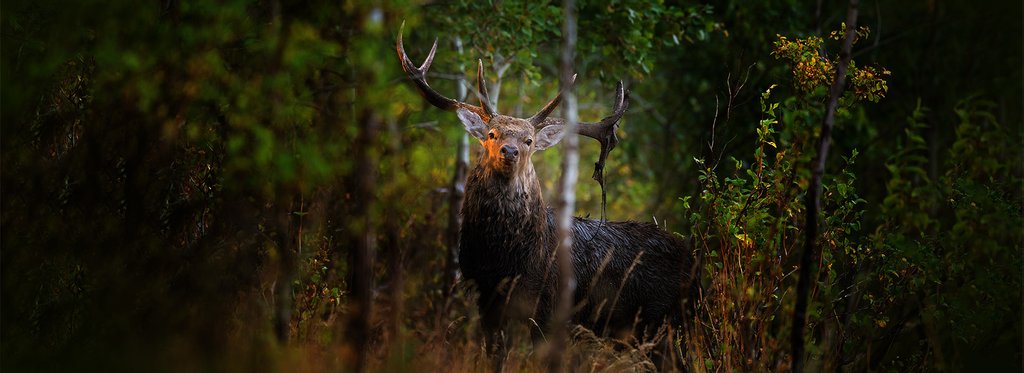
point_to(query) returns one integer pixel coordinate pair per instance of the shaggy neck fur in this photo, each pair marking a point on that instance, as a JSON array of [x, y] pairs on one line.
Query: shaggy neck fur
[[504, 218]]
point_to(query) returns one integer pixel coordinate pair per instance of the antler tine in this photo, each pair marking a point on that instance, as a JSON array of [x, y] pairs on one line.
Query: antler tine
[[600, 130], [485, 100], [604, 132], [538, 120], [418, 75]]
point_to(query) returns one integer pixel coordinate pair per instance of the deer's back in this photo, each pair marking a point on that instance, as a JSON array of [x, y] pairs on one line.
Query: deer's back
[[632, 268]]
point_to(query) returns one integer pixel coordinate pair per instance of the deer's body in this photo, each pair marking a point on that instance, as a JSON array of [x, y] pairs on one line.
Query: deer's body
[[627, 273], [508, 236]]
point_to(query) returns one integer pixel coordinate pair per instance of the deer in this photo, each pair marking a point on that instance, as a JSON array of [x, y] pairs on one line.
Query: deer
[[631, 275]]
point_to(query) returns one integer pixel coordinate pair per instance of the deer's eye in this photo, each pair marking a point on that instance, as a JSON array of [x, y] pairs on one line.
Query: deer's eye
[[529, 141], [490, 135]]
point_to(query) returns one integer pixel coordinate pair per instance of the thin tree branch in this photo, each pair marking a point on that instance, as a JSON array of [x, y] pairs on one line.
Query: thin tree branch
[[813, 196], [456, 192]]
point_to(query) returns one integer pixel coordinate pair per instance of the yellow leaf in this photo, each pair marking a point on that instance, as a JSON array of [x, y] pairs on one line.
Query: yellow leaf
[[744, 239]]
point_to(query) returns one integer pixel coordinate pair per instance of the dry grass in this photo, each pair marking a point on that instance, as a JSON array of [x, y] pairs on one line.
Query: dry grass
[[442, 334]]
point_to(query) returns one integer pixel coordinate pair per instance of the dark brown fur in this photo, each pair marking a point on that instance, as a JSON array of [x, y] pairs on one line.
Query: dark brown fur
[[625, 271]]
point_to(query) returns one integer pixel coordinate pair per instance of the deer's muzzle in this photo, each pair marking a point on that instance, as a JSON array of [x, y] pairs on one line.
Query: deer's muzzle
[[509, 153]]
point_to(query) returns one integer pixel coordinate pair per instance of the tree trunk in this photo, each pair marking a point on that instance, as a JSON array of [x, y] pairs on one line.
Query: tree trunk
[[285, 227], [813, 197], [566, 195], [394, 245], [456, 193], [362, 242]]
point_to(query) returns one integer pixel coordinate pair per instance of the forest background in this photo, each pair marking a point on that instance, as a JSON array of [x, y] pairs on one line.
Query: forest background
[[196, 185]]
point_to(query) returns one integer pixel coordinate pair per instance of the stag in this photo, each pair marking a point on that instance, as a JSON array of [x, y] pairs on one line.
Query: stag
[[631, 275]]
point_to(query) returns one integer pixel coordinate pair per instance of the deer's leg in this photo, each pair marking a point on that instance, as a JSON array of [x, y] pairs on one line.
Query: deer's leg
[[494, 338], [492, 325]]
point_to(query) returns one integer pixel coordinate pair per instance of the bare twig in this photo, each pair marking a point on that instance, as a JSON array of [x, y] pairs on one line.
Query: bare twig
[[622, 285], [714, 122], [732, 93], [641, 105], [878, 28]]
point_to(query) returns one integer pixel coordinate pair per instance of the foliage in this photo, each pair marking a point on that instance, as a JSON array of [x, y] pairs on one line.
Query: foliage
[[956, 268], [521, 32], [178, 176], [913, 272], [812, 70], [750, 235]]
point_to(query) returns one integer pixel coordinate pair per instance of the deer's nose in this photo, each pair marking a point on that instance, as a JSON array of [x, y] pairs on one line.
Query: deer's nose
[[509, 151]]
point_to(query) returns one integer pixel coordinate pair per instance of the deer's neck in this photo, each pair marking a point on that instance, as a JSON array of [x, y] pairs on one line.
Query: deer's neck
[[504, 218]]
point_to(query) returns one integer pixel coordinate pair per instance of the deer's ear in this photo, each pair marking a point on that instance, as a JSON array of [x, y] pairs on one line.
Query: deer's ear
[[474, 125], [549, 136]]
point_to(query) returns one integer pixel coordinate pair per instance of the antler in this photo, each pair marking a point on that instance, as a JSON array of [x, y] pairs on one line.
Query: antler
[[481, 88], [539, 120], [603, 132], [418, 75]]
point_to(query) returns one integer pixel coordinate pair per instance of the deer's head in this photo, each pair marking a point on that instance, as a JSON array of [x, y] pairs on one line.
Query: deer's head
[[508, 141]]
